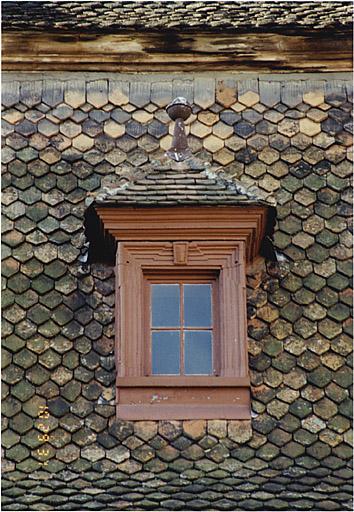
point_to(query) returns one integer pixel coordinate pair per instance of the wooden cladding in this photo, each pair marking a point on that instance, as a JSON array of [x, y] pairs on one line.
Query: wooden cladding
[[169, 51]]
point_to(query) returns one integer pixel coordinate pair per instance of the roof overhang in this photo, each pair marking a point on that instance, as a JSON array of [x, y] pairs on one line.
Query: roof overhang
[[326, 50], [107, 224]]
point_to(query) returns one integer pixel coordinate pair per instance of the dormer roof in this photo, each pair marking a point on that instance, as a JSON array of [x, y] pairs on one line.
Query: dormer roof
[[169, 184], [192, 182]]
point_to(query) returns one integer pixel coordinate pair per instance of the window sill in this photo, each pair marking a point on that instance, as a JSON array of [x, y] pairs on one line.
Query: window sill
[[183, 398], [183, 381]]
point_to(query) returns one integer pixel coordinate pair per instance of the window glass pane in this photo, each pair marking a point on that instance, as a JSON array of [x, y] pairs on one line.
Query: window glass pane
[[198, 352], [165, 353], [165, 305], [197, 305]]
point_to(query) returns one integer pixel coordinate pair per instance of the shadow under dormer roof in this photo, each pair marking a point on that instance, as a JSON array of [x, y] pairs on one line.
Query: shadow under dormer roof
[[164, 184]]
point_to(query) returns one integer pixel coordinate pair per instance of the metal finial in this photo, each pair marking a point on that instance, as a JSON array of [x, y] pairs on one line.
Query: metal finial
[[179, 110]]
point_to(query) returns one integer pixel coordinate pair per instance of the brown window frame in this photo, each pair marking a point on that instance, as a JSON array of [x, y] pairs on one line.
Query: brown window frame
[[183, 238], [142, 396]]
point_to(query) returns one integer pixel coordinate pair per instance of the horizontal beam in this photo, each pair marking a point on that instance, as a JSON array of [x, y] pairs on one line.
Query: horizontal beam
[[183, 412], [244, 223], [183, 381], [197, 51]]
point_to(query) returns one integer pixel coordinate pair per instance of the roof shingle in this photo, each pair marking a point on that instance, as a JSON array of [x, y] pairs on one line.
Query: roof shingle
[[193, 182], [182, 16]]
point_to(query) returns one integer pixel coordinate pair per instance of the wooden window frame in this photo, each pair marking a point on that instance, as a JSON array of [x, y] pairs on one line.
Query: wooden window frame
[[219, 239], [142, 396]]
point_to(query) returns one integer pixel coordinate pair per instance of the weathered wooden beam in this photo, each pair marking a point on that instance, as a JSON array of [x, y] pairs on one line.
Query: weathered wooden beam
[[153, 51]]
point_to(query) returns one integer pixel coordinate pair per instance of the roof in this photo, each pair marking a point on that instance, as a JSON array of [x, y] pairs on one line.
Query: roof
[[166, 183], [181, 15], [193, 182]]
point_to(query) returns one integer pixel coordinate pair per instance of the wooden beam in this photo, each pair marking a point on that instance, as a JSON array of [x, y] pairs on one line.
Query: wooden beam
[[152, 51], [172, 381], [243, 223], [225, 411]]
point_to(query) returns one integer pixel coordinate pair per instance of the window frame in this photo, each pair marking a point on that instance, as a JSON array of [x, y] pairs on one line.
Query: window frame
[[226, 394]]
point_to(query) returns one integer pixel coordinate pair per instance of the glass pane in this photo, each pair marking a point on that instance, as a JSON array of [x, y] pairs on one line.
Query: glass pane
[[165, 305], [198, 352], [165, 353], [197, 305]]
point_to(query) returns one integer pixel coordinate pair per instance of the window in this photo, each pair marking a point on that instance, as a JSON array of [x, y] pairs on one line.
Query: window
[[181, 328], [183, 338]]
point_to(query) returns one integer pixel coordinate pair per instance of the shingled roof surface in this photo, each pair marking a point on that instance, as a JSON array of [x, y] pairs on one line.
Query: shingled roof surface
[[115, 16], [193, 182], [164, 183]]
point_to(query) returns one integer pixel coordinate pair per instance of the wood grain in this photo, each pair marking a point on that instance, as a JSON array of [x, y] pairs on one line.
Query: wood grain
[[153, 51]]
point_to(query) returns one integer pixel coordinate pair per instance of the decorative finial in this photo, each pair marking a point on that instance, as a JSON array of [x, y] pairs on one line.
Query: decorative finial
[[179, 110]]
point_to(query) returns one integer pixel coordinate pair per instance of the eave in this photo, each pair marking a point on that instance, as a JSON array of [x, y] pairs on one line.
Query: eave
[[248, 224], [129, 51]]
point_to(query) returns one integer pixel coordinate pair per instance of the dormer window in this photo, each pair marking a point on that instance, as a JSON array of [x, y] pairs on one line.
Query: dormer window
[[182, 242]]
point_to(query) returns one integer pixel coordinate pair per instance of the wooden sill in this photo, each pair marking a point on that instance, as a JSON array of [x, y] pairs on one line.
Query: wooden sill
[[198, 381], [137, 412]]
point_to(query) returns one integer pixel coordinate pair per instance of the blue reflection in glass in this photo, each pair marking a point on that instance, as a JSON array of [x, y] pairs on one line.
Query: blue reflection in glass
[[165, 353], [198, 352], [197, 305], [165, 305]]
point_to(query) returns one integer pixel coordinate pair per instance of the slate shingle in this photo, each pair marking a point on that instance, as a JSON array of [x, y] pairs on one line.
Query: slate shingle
[[190, 182], [184, 15], [58, 325]]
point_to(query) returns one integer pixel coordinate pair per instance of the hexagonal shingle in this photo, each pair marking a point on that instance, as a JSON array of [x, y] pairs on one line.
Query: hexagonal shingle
[[235, 143], [115, 157], [303, 240], [309, 127], [244, 129], [268, 156], [114, 129], [135, 129], [249, 98], [222, 130], [212, 143], [70, 129], [288, 127], [157, 129], [224, 156], [201, 130], [82, 142], [47, 128]]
